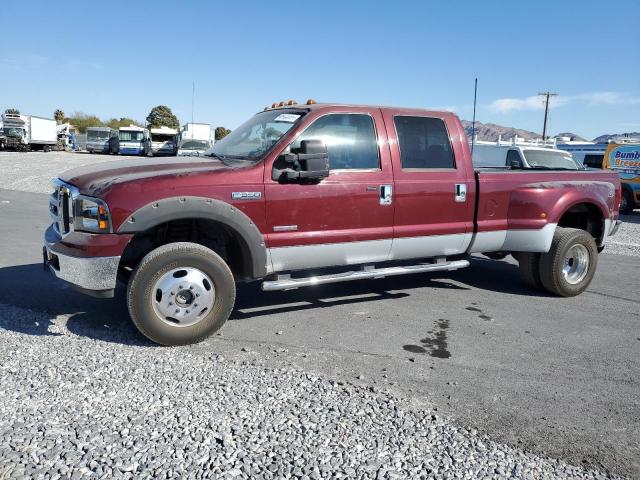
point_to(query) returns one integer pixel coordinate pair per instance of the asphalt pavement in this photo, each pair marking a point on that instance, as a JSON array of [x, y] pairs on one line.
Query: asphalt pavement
[[552, 376]]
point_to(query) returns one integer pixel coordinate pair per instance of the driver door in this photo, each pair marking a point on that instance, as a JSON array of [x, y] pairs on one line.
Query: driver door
[[346, 218]]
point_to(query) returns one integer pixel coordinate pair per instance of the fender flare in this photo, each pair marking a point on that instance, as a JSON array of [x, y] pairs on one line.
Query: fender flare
[[176, 208]]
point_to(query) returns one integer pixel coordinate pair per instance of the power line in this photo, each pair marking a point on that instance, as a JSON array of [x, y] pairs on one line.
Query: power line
[[547, 96]]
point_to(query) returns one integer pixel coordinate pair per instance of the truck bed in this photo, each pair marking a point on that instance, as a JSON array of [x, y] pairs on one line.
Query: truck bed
[[508, 202]]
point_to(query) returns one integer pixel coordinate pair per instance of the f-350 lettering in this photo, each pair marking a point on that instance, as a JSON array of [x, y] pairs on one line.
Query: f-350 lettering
[[350, 192]]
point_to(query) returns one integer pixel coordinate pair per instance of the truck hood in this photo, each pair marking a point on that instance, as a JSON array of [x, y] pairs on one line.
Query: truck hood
[[98, 179]]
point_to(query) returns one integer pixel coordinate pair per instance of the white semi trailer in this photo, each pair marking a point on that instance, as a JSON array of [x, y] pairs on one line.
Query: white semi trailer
[[195, 138], [27, 132]]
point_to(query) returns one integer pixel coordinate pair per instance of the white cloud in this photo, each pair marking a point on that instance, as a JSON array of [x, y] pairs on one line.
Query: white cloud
[[536, 102], [506, 105]]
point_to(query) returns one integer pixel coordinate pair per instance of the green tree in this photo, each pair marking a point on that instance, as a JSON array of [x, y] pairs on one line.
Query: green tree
[[82, 121], [162, 115], [116, 123], [58, 115], [221, 132], [12, 110]]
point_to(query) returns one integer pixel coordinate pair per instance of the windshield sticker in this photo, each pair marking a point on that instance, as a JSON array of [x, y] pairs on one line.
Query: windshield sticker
[[287, 117]]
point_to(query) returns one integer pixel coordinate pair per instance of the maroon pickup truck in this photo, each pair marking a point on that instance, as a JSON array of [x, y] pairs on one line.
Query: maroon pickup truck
[[346, 192]]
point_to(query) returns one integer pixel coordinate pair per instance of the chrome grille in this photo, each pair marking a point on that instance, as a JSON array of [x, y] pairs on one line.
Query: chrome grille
[[61, 207]]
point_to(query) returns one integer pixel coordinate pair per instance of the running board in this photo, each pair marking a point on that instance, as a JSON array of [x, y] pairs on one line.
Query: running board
[[285, 282]]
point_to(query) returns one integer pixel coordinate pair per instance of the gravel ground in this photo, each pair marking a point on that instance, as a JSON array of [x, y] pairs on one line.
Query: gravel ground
[[81, 406], [78, 408]]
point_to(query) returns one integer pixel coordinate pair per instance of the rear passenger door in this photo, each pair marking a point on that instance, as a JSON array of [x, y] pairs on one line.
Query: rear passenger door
[[434, 193]]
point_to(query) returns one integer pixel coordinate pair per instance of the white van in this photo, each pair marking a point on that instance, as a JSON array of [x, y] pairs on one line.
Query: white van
[[487, 154]]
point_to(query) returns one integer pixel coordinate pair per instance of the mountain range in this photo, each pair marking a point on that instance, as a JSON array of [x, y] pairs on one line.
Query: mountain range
[[491, 132]]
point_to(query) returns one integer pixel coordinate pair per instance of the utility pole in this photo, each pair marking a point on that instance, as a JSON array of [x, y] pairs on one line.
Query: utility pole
[[547, 96]]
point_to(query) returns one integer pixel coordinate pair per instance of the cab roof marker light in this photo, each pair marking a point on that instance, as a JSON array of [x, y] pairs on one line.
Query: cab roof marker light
[[311, 101], [292, 102]]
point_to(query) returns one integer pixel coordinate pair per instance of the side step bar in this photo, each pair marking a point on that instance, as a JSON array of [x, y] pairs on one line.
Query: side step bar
[[285, 282]]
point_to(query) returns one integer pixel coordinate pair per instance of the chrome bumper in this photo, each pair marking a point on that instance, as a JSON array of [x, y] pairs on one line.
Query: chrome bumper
[[92, 275], [615, 227]]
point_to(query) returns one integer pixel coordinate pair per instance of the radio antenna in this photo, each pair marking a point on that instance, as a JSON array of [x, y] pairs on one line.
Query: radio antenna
[[473, 123]]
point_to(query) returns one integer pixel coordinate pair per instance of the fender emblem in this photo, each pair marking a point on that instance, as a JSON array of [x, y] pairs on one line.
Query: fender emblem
[[246, 195]]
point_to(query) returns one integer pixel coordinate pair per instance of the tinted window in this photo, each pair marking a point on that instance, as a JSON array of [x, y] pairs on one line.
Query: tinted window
[[350, 140], [513, 156], [424, 143], [593, 161]]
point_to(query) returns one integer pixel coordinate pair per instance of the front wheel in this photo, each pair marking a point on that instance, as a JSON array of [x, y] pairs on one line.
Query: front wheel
[[180, 293], [569, 266]]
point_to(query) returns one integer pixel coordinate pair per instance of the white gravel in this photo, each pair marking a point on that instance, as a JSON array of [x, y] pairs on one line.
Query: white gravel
[[74, 407], [33, 171]]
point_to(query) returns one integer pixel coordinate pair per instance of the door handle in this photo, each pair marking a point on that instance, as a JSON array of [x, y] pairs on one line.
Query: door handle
[[386, 194], [461, 192]]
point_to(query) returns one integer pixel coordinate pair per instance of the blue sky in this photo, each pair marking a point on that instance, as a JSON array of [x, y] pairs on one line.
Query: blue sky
[[122, 58]]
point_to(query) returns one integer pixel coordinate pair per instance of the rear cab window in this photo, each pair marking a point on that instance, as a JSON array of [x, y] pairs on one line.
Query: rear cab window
[[513, 156], [593, 161], [424, 143]]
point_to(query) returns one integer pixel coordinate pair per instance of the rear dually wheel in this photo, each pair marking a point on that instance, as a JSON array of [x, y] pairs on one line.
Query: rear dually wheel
[[569, 266]]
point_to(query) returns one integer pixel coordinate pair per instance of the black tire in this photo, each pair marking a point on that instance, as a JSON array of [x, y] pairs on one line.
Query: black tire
[[151, 270], [530, 269], [626, 205], [560, 256]]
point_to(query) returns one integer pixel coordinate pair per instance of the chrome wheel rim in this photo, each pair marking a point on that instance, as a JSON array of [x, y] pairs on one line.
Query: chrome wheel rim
[[576, 264], [183, 296]]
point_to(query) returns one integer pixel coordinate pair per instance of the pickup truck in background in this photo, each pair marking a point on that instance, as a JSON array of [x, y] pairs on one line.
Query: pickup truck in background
[[346, 192], [489, 154]]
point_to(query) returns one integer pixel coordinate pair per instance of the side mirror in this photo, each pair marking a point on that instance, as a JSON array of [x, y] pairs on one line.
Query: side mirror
[[310, 163], [515, 163]]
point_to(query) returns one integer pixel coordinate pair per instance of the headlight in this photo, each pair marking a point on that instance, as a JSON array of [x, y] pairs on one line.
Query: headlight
[[91, 215]]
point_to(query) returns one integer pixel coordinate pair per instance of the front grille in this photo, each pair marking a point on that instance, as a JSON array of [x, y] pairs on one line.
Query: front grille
[[61, 208]]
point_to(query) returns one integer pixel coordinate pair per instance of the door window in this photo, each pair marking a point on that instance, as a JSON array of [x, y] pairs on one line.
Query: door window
[[350, 139], [424, 143]]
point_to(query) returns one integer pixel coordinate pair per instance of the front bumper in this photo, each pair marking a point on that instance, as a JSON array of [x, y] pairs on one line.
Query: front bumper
[[615, 227], [95, 276]]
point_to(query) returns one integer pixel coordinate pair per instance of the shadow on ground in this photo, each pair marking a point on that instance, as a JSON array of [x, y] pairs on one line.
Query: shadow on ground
[[29, 287]]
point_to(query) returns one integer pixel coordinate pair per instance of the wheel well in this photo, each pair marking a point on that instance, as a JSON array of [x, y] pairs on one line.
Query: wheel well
[[214, 235], [585, 216]]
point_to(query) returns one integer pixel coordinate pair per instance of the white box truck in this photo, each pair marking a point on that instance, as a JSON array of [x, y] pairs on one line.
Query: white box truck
[[195, 138], [27, 132]]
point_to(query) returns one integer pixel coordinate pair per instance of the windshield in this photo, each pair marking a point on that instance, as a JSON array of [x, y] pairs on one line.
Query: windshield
[[162, 137], [97, 135], [129, 136], [195, 145], [254, 138], [556, 159], [13, 132]]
